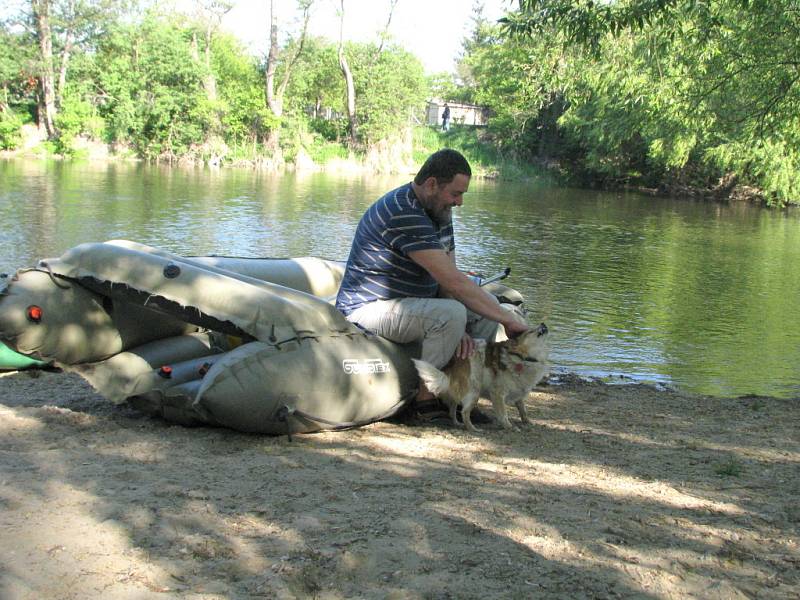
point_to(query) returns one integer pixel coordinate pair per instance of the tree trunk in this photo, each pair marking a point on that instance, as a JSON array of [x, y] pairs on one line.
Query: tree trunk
[[275, 98], [274, 103], [47, 112], [348, 78], [210, 82], [62, 73], [66, 53]]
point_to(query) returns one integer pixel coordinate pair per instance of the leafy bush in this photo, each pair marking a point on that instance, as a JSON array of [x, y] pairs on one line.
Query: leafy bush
[[10, 131], [322, 152], [331, 130]]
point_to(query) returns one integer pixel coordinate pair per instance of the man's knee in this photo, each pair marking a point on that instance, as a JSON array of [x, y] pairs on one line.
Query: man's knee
[[449, 318], [452, 315]]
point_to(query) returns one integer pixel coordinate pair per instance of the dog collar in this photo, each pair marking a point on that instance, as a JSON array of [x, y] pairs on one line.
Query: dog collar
[[524, 358]]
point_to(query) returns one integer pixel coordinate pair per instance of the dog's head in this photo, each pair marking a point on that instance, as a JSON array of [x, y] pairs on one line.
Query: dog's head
[[531, 346]]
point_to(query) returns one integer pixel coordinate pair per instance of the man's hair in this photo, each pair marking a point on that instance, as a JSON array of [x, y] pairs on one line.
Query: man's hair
[[444, 165]]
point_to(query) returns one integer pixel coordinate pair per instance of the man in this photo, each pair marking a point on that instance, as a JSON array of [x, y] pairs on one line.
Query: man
[[401, 280], [446, 118]]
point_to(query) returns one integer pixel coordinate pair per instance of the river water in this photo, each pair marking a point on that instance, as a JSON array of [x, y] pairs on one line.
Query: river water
[[693, 295]]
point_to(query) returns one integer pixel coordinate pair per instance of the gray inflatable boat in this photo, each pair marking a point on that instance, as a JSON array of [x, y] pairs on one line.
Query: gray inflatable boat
[[255, 345]]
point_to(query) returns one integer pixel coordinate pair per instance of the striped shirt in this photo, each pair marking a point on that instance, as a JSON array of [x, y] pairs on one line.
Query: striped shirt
[[379, 267]]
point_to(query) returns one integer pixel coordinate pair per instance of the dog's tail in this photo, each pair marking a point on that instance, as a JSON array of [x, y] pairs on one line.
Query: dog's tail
[[435, 380]]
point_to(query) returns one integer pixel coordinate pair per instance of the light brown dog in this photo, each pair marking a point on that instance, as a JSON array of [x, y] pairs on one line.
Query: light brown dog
[[504, 371]]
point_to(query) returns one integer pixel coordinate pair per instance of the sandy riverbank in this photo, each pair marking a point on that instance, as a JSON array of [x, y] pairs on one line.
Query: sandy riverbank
[[617, 491]]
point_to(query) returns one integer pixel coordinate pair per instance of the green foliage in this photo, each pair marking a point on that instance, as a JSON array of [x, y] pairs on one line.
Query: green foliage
[[316, 81], [152, 84], [670, 93], [10, 134], [322, 152], [78, 117], [17, 68], [483, 155], [244, 115], [773, 163], [331, 130], [389, 90]]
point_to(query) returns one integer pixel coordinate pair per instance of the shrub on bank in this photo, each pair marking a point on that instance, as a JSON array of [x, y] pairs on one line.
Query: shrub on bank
[[10, 130]]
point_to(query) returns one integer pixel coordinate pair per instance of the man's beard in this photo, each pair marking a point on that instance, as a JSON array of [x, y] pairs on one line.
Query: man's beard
[[441, 215]]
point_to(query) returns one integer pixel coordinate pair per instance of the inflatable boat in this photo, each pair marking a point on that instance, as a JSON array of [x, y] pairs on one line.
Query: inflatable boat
[[255, 345]]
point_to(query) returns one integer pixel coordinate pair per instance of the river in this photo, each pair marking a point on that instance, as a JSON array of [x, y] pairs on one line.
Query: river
[[689, 294]]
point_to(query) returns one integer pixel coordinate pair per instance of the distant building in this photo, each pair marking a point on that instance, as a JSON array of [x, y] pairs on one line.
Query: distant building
[[460, 114]]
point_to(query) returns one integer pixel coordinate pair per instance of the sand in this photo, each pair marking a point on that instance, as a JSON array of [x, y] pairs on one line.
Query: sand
[[623, 491]]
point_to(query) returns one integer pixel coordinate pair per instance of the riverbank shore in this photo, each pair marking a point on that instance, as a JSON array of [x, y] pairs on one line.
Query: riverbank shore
[[616, 491], [391, 158]]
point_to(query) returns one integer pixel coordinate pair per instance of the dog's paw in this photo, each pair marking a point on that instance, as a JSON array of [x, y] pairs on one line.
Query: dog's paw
[[506, 424], [467, 424]]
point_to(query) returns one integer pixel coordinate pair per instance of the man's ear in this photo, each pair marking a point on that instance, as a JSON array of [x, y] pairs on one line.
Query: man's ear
[[430, 185]]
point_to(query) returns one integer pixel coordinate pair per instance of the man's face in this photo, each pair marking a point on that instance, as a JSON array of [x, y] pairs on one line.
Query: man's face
[[440, 199]]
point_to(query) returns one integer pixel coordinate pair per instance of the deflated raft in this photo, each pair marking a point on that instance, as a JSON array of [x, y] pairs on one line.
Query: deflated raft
[[251, 344]]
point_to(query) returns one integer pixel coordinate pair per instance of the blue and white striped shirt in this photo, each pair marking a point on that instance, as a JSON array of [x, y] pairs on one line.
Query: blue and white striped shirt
[[379, 267]]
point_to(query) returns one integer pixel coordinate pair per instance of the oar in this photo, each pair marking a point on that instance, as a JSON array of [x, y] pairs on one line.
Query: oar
[[496, 277]]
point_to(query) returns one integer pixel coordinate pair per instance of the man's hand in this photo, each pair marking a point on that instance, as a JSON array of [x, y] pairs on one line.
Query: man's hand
[[465, 347], [514, 328]]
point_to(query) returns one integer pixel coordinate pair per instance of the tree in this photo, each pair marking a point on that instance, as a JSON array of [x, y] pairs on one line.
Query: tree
[[17, 71], [275, 97], [589, 21], [674, 91], [60, 28], [245, 118], [350, 87], [209, 17], [40, 10], [316, 80], [152, 88], [389, 90]]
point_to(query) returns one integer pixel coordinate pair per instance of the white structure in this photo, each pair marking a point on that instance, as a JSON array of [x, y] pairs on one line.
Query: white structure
[[460, 114]]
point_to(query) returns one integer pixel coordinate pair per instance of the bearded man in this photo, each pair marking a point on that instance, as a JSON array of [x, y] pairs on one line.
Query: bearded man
[[401, 280]]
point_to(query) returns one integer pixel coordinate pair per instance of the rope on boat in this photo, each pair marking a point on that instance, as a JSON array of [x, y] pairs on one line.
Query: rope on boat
[[285, 412]]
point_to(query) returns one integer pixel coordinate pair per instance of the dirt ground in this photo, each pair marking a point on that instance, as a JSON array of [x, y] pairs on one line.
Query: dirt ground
[[621, 491]]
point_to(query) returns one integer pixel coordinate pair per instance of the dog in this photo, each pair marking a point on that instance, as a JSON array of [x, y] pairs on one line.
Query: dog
[[505, 371]]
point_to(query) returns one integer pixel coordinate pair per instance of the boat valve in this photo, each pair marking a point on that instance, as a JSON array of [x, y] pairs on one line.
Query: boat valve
[[165, 372], [204, 368], [35, 313], [171, 271]]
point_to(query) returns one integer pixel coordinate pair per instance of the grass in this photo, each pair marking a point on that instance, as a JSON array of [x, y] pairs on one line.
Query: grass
[[484, 157], [729, 468]]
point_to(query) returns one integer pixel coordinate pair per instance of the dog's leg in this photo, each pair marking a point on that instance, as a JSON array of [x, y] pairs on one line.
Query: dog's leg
[[453, 411], [500, 412], [523, 413], [470, 400]]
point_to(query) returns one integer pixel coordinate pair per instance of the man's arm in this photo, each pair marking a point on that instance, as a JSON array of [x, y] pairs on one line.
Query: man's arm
[[455, 284]]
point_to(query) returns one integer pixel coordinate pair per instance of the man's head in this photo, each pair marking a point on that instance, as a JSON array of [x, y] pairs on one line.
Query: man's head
[[441, 183]]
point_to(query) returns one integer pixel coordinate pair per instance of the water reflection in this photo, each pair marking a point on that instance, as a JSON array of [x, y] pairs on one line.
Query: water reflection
[[691, 294]]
